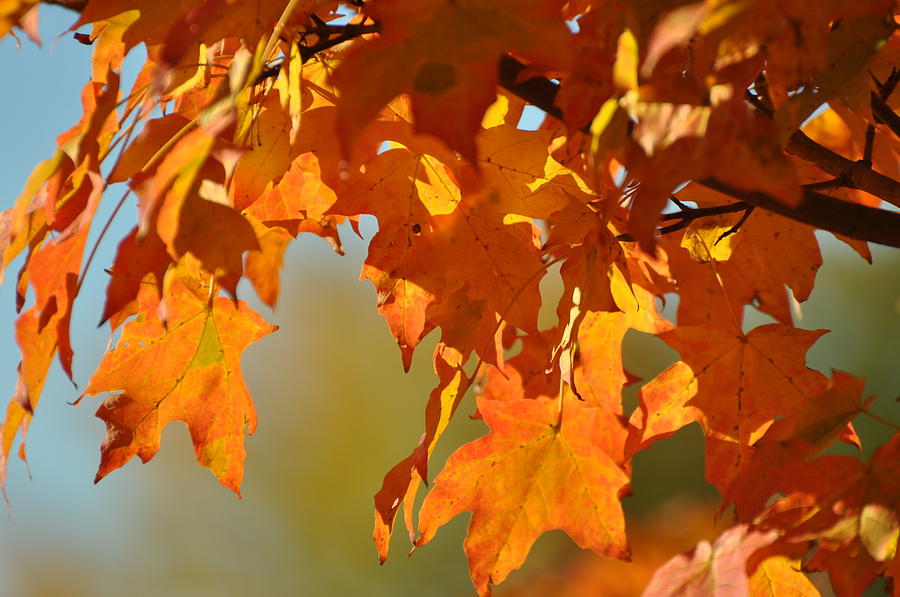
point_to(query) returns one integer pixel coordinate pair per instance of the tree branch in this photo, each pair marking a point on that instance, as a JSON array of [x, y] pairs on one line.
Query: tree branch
[[689, 214], [884, 112], [76, 5], [855, 174], [329, 36], [828, 213]]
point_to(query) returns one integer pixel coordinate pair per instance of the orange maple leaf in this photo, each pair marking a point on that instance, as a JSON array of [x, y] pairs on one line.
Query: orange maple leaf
[[187, 369], [534, 472]]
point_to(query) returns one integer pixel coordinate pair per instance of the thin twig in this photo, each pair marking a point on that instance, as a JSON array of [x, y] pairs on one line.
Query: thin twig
[[881, 420], [689, 214], [736, 227], [885, 114], [334, 35]]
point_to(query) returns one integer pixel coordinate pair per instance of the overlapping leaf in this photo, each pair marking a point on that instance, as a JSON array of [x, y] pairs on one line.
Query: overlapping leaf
[[253, 148], [851, 507], [444, 54], [734, 384], [717, 569]]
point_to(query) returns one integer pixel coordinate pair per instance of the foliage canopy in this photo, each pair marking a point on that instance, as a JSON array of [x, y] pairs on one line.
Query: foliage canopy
[[690, 149]]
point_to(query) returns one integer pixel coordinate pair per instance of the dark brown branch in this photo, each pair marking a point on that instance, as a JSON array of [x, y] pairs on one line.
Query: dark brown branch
[[855, 174], [879, 104], [76, 5], [737, 225], [689, 214], [758, 103], [537, 91], [692, 213], [825, 212], [329, 36], [885, 114]]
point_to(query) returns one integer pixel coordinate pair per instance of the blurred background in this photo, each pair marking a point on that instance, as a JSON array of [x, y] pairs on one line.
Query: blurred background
[[335, 411]]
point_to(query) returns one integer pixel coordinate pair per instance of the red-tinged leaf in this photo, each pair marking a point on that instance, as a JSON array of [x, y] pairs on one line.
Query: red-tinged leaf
[[442, 402], [673, 29], [188, 371], [825, 417], [171, 202], [299, 201], [717, 569], [795, 437], [768, 250], [426, 222], [173, 180], [66, 184], [134, 259], [445, 55], [659, 177], [850, 507], [31, 233], [99, 122], [678, 142], [586, 276], [197, 21], [402, 261], [850, 568], [525, 376], [743, 382], [502, 266], [270, 120], [534, 472], [764, 168], [468, 326], [397, 483]]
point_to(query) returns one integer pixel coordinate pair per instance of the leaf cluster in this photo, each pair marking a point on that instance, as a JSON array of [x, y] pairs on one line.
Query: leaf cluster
[[688, 149]]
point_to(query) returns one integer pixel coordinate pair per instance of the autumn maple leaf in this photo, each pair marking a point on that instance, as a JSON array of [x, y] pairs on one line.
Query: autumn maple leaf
[[534, 472], [185, 368]]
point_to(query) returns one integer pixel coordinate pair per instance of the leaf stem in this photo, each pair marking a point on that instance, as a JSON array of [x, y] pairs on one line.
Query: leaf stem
[[279, 26], [881, 420], [109, 221]]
